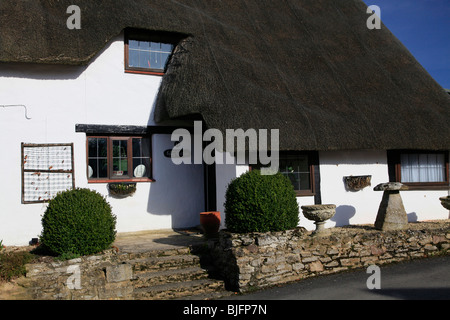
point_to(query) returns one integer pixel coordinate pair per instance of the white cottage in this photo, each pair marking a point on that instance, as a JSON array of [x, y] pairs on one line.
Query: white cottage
[[96, 106]]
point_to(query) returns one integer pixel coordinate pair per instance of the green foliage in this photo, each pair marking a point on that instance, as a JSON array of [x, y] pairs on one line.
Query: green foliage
[[12, 264], [122, 188], [260, 203], [78, 222]]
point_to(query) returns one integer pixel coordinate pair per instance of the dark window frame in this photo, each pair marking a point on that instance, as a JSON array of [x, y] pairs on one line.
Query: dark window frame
[[395, 173], [314, 174], [142, 35], [110, 175]]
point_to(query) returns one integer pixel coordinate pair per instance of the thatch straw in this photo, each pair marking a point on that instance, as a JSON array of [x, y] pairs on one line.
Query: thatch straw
[[310, 68]]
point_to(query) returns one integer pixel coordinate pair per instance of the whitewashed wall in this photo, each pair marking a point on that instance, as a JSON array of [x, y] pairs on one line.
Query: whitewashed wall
[[57, 98], [352, 207], [361, 207]]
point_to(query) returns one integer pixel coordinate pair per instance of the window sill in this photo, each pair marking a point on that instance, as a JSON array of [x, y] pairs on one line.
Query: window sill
[[154, 73], [119, 180], [304, 193], [426, 186]]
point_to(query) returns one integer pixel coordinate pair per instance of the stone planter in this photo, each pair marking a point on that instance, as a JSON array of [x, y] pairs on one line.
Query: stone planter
[[319, 213], [445, 201], [356, 183]]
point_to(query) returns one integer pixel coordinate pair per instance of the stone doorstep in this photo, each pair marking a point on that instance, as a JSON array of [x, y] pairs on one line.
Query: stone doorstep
[[145, 279], [178, 289], [165, 262]]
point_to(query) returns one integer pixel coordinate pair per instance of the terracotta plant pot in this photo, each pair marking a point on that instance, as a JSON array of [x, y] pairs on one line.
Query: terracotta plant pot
[[210, 222]]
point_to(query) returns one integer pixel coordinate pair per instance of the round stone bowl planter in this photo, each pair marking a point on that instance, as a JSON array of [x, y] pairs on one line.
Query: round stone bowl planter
[[319, 213], [445, 201]]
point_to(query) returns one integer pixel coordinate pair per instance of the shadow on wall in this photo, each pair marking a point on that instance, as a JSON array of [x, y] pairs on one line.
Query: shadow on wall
[[343, 215], [178, 189], [412, 217]]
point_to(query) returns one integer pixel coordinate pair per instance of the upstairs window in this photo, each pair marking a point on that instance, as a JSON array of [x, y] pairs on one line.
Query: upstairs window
[[147, 53]]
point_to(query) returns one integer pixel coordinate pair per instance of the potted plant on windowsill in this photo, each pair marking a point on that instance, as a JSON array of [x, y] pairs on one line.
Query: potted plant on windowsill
[[121, 189]]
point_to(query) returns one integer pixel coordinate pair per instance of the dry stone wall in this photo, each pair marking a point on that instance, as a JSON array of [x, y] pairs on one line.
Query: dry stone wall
[[258, 260], [101, 276], [245, 261]]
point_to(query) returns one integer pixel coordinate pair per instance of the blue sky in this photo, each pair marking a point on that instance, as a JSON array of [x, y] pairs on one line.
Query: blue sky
[[423, 26]]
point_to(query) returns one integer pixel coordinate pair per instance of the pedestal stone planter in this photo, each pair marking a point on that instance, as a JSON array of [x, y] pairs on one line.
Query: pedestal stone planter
[[445, 201], [391, 213], [319, 213]]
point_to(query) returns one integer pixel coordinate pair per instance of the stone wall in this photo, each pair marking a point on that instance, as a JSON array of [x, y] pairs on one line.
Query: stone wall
[[90, 277], [258, 260]]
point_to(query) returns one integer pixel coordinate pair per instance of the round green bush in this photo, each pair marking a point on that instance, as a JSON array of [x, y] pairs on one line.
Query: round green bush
[[260, 203], [78, 222]]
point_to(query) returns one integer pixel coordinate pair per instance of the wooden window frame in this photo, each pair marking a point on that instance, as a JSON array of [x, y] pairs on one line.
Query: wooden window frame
[[313, 163], [395, 173], [146, 36], [111, 177]]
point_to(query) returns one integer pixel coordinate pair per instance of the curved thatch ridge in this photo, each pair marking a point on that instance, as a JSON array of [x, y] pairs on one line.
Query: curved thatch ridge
[[310, 68]]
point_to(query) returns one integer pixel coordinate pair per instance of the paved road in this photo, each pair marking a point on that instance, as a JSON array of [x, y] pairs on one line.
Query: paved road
[[419, 279]]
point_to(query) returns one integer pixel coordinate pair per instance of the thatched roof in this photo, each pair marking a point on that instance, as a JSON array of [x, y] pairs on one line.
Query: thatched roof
[[310, 68]]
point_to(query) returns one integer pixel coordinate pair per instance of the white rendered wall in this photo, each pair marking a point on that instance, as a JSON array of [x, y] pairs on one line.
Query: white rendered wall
[[361, 207], [57, 98], [227, 172], [352, 207]]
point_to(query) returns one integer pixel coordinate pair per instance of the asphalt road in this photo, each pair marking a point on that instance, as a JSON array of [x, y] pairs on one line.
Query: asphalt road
[[424, 279]]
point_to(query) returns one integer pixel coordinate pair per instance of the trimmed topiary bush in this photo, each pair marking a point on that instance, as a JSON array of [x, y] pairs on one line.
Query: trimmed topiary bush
[[78, 222], [260, 203]]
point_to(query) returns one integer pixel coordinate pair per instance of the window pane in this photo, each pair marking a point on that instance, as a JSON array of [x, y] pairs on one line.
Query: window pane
[[133, 58], [155, 46], [144, 45], [137, 147], [423, 167], [164, 58], [120, 158], [166, 47], [144, 59], [141, 167], [141, 157], [155, 60], [97, 158], [133, 44], [297, 169]]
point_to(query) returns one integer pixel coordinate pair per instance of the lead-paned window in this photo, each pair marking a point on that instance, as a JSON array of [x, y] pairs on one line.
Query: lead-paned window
[[299, 168], [119, 158]]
